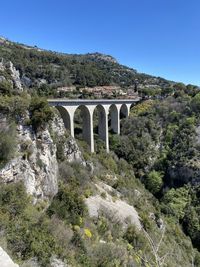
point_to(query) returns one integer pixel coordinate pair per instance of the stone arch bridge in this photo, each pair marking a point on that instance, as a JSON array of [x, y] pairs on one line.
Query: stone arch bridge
[[114, 107]]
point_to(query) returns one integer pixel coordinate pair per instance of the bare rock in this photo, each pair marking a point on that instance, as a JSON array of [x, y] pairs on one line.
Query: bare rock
[[58, 263], [15, 76], [160, 223], [36, 165], [117, 210], [70, 148], [5, 260], [26, 81]]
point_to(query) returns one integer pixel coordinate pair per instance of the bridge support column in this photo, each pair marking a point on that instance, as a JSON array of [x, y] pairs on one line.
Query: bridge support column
[[88, 134], [115, 118], [103, 124], [129, 108]]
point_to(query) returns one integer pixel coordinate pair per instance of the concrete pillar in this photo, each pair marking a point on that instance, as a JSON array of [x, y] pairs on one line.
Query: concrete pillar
[[103, 124], [88, 135], [115, 117], [129, 108]]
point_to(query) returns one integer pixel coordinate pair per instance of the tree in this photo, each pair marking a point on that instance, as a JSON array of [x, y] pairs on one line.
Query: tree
[[40, 111], [195, 103], [154, 181]]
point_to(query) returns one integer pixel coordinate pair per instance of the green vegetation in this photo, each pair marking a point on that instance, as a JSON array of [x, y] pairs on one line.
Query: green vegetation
[[7, 143], [68, 205], [44, 71], [154, 181], [154, 166], [40, 111]]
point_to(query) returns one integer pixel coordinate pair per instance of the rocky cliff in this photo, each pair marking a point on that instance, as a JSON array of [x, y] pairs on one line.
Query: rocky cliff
[[35, 162]]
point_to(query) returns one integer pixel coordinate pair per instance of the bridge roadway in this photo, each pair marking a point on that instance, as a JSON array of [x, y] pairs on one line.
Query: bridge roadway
[[68, 107]]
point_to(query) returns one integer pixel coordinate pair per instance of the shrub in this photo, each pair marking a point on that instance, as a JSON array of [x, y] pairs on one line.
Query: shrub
[[154, 181], [5, 87], [14, 106], [40, 111], [134, 237], [68, 205], [7, 143], [87, 233], [175, 201], [32, 240], [109, 255], [13, 198]]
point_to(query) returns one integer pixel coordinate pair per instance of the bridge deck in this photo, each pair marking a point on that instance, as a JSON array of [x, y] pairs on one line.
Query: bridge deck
[[92, 101]]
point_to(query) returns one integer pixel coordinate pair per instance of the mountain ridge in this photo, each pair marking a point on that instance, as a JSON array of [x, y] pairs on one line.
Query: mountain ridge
[[91, 69]]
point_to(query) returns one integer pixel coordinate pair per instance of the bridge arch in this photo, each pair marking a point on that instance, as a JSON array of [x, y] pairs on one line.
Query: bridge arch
[[86, 114], [114, 112], [67, 117], [124, 111]]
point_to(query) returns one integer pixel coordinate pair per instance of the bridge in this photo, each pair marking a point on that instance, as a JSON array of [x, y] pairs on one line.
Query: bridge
[[105, 107]]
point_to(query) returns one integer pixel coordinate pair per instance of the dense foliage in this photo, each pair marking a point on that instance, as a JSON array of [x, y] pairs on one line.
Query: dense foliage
[[161, 142]]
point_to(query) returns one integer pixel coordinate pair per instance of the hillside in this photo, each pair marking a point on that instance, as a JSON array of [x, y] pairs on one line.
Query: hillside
[[47, 70], [62, 206]]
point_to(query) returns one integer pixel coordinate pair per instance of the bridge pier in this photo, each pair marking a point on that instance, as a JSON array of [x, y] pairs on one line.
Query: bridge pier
[[103, 124], [88, 134]]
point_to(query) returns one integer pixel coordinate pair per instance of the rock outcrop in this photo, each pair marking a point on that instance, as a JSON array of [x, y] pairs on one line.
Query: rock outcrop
[[36, 162], [8, 70], [15, 76], [70, 148], [116, 209], [5, 260]]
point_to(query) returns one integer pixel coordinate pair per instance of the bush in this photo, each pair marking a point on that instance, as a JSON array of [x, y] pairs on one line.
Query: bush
[[5, 87], [32, 240], [109, 255], [154, 181], [7, 143], [134, 237], [175, 202], [41, 112], [14, 106], [13, 199], [68, 205]]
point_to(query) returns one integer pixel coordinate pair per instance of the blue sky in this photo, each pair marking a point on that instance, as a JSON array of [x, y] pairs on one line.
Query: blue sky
[[159, 37]]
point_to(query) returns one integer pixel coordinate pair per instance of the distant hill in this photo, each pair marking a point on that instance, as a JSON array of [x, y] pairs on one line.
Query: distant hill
[[38, 67]]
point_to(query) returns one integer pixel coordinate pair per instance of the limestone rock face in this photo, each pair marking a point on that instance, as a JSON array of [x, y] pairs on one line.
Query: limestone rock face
[[15, 76], [26, 81], [36, 164], [70, 147], [72, 151], [5, 260]]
